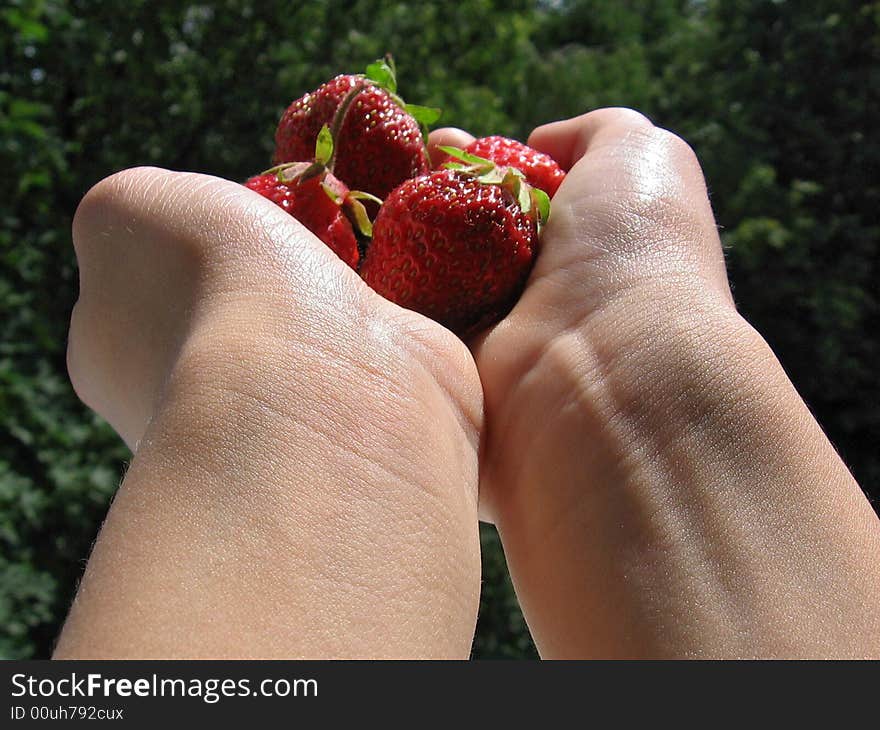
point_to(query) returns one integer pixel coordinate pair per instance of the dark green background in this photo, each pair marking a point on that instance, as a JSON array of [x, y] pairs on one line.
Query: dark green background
[[779, 99]]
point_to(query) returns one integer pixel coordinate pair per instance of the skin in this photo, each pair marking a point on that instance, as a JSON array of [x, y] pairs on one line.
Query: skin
[[660, 488], [304, 480], [307, 454]]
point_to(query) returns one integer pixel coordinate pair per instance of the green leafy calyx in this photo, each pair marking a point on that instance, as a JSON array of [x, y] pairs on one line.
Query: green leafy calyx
[[533, 201], [383, 73], [324, 146]]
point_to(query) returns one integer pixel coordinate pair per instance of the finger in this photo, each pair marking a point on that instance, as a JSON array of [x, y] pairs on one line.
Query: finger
[[446, 137], [132, 227], [567, 141]]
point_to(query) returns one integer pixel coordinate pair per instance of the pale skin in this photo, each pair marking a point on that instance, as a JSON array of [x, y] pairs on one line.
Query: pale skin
[[307, 456]]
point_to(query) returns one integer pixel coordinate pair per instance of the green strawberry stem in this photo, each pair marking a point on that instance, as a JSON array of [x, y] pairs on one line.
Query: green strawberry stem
[[288, 172], [324, 146], [358, 216], [297, 172], [361, 195], [339, 119], [474, 163], [357, 212], [541, 203]]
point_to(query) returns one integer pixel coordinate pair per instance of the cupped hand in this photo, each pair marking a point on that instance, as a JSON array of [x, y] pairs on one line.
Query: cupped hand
[[659, 487], [631, 244], [305, 470], [171, 261]]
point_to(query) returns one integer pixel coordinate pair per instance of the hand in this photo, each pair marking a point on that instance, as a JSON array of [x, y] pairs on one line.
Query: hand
[[631, 241], [305, 469], [658, 485]]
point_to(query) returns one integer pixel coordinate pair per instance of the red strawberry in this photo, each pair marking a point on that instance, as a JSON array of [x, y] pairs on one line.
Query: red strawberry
[[318, 199], [541, 170], [379, 143], [308, 202], [299, 126], [454, 247]]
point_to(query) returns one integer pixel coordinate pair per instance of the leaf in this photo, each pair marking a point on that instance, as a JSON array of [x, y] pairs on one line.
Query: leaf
[[331, 193], [361, 195], [541, 201], [297, 171], [28, 29], [382, 74], [424, 115], [525, 200], [324, 146], [358, 212], [493, 176], [460, 154], [520, 190]]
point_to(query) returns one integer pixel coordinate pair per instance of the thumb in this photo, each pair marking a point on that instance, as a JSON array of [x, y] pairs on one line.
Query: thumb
[[446, 137]]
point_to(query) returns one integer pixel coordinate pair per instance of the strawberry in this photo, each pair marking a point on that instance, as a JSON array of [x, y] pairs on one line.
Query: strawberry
[[378, 138], [455, 245], [299, 126], [318, 200], [541, 170]]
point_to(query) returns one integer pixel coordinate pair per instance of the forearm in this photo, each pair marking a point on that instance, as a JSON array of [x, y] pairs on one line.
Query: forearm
[[293, 503], [713, 515]]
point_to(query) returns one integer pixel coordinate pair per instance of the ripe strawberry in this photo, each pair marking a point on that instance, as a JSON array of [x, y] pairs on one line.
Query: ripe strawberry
[[541, 170], [318, 200], [379, 142], [299, 126], [455, 246], [308, 202]]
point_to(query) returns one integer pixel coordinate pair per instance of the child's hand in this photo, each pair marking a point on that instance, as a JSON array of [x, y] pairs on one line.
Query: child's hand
[[304, 482], [631, 244], [659, 486]]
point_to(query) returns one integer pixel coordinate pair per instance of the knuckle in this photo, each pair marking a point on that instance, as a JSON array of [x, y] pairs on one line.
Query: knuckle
[[630, 118], [120, 187], [679, 149], [620, 121], [112, 197], [151, 208]]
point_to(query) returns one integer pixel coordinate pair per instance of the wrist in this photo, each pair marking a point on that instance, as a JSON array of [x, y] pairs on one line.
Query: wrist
[[320, 480], [690, 478], [674, 361], [626, 382], [356, 376]]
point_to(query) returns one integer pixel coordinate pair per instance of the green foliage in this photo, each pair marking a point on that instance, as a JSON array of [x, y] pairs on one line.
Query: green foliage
[[779, 99]]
